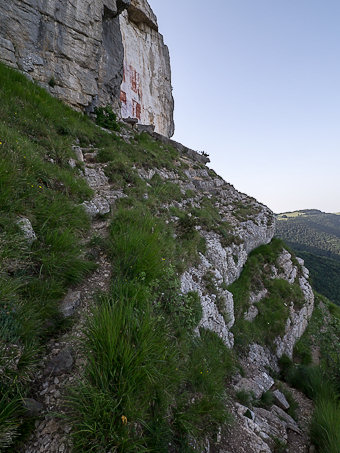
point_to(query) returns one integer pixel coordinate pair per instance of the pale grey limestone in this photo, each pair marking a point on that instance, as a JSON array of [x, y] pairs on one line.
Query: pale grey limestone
[[257, 385], [70, 303], [146, 88], [26, 227], [281, 400], [298, 319], [76, 51], [97, 206], [96, 177], [251, 314], [77, 44]]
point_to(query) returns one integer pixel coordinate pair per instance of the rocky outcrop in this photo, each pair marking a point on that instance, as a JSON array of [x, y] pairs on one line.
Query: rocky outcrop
[[226, 255], [299, 317], [146, 92], [26, 228], [75, 50]]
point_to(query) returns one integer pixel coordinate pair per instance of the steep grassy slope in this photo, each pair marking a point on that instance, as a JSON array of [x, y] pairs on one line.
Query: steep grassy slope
[[315, 236], [36, 182], [146, 378], [170, 365]]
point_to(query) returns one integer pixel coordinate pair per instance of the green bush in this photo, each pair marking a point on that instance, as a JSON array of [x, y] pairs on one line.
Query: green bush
[[105, 117]]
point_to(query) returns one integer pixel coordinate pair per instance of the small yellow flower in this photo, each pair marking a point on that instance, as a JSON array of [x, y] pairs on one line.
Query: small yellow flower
[[124, 420], [0, 143], [40, 187], [201, 372]]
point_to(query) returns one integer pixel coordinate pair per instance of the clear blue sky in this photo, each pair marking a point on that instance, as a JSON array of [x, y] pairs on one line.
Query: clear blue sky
[[257, 86]]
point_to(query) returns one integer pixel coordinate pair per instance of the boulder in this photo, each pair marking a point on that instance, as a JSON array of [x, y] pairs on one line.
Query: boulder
[[26, 227], [70, 303], [257, 384], [281, 400], [97, 206], [61, 363], [33, 408]]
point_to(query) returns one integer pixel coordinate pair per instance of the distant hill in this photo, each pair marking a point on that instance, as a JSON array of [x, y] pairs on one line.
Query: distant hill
[[315, 236]]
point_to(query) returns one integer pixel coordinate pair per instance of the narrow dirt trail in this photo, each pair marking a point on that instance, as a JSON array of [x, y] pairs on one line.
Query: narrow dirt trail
[[63, 363]]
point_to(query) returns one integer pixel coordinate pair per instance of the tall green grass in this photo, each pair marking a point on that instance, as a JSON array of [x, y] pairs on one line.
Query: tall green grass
[[162, 383], [325, 429], [315, 382], [36, 182]]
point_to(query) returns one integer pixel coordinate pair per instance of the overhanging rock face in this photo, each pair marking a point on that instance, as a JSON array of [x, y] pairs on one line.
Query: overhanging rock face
[[75, 50], [72, 48], [146, 92]]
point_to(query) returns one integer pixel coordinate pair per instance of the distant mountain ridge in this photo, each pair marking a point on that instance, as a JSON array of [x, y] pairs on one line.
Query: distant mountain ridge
[[315, 236]]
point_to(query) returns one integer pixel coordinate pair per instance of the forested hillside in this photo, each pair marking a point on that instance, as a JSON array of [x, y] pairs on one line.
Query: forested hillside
[[315, 236]]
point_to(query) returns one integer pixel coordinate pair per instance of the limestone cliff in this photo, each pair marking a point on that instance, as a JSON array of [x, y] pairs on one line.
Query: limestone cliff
[[75, 50], [146, 91]]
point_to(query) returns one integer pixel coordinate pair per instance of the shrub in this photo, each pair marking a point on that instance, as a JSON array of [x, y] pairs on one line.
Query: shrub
[[106, 118]]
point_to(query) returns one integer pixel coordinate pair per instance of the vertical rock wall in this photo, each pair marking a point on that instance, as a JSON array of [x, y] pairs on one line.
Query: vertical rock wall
[[146, 92], [73, 48]]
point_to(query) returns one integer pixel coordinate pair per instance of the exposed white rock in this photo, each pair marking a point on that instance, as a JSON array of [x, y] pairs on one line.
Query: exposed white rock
[[286, 418], [254, 298], [26, 227], [87, 50], [304, 270], [7, 52], [286, 268], [221, 260], [212, 319], [281, 400], [250, 432], [95, 177], [257, 385], [97, 206], [260, 358], [79, 153], [298, 318], [70, 303], [251, 314], [146, 92], [269, 424], [81, 59]]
